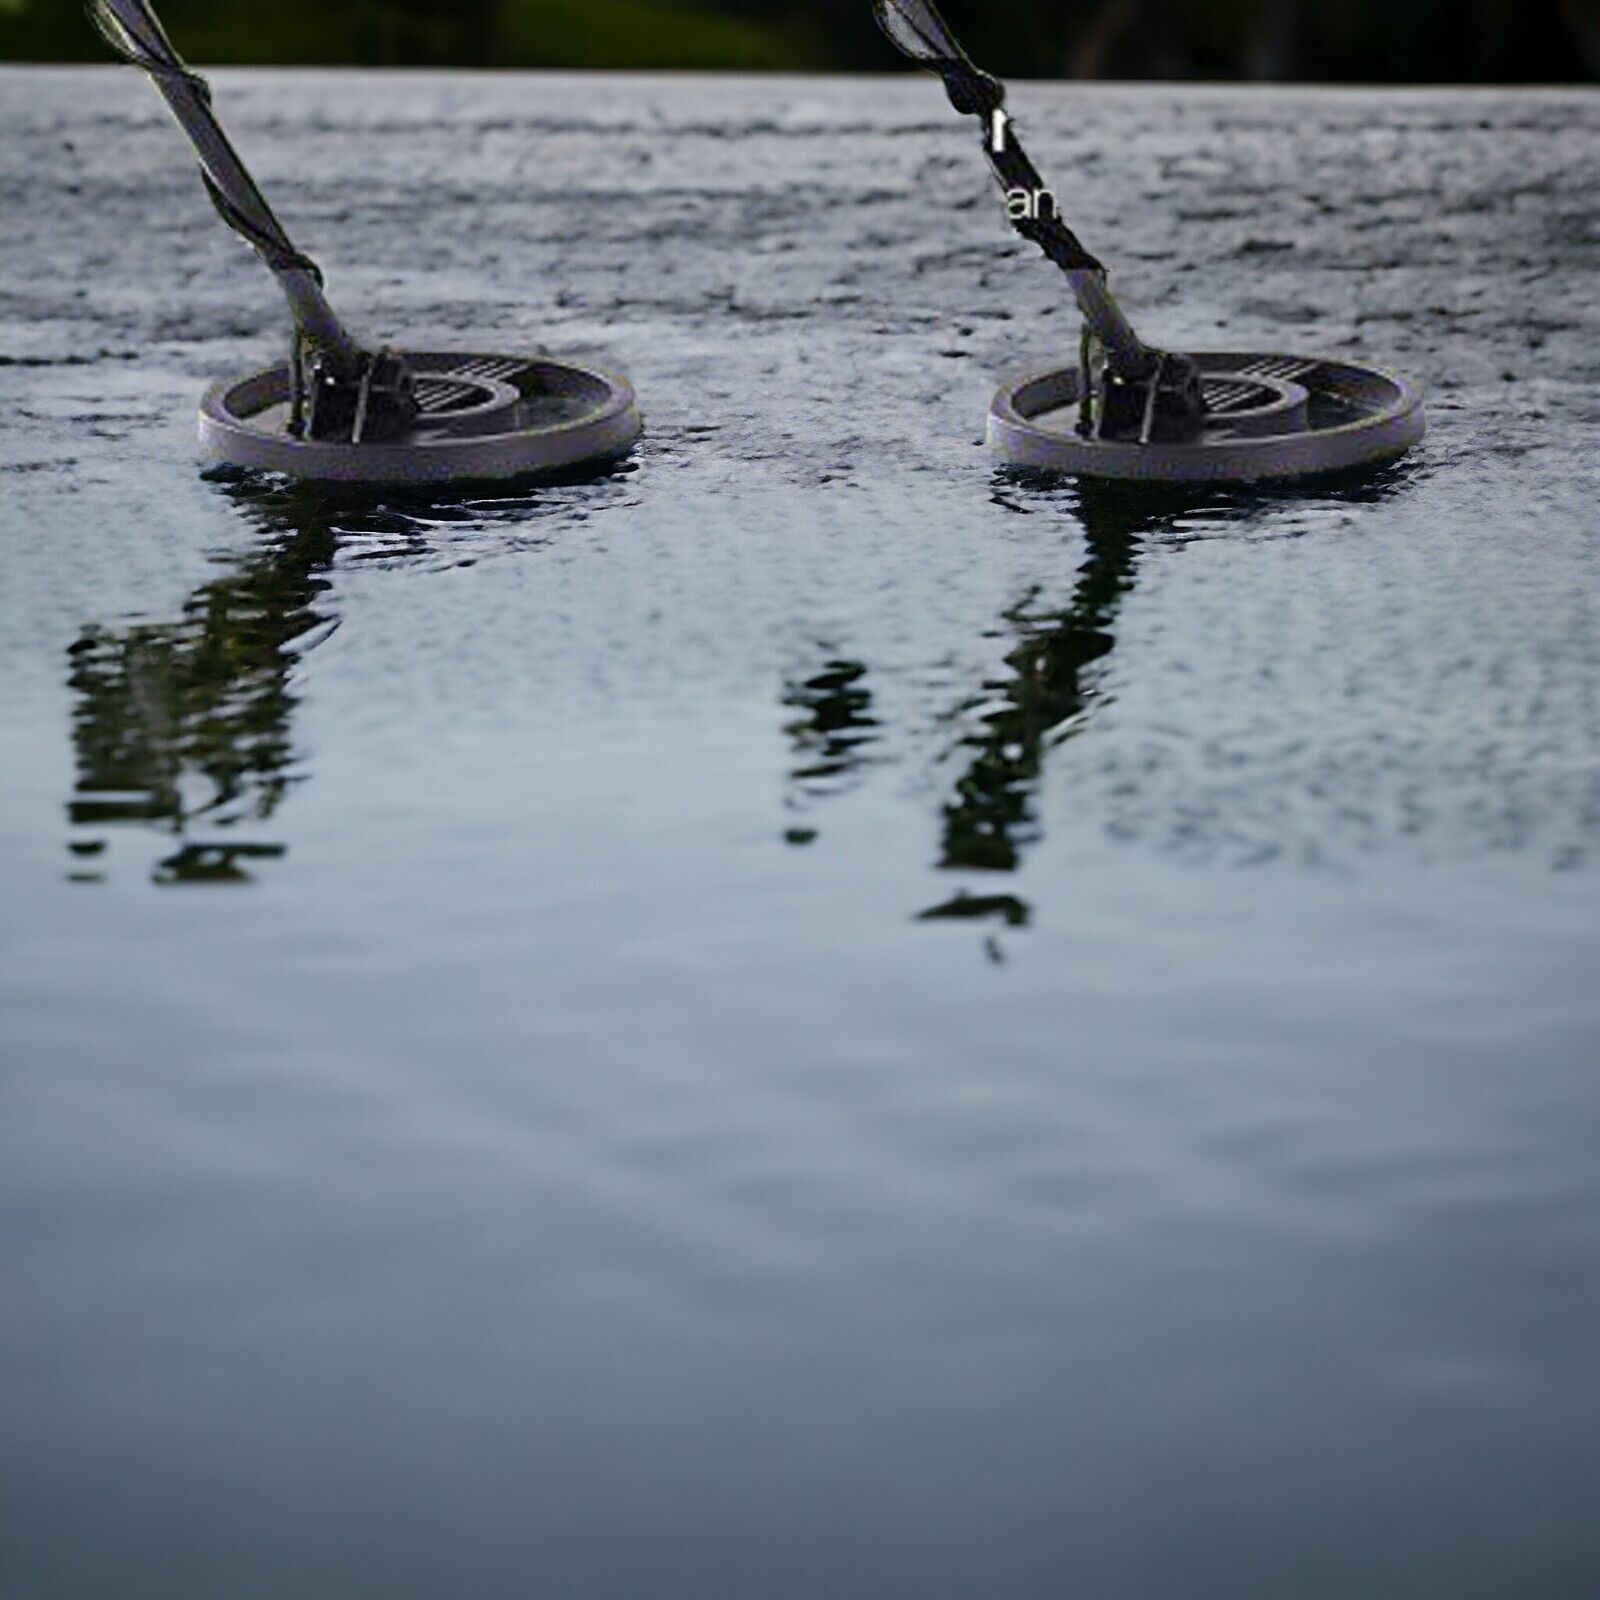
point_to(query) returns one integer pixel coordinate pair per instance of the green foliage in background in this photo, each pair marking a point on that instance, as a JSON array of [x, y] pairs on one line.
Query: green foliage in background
[[645, 33], [501, 33], [1351, 40]]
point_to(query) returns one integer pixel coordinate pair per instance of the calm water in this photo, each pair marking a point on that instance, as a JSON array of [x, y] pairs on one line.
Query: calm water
[[810, 1018]]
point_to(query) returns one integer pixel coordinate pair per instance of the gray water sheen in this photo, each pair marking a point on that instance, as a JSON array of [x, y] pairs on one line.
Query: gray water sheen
[[812, 1018]]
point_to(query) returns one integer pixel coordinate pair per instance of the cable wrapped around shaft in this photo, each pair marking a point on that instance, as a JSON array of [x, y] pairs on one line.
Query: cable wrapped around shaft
[[917, 30], [147, 47]]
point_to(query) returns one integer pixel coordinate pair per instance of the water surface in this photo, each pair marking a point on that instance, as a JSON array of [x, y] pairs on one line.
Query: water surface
[[812, 1016]]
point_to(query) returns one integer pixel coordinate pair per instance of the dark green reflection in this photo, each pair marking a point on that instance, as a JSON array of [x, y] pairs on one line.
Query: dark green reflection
[[1041, 700], [833, 736], [1052, 676], [187, 725], [1046, 687]]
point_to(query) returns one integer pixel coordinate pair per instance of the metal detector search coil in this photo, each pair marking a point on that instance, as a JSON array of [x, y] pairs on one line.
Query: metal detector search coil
[[1124, 409], [1267, 417], [336, 411], [479, 417]]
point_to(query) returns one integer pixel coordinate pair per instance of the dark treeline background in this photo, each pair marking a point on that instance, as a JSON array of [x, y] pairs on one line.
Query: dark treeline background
[[1381, 41]]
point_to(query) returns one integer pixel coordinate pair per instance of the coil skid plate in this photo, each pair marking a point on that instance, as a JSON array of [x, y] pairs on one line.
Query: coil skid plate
[[1270, 417], [480, 418]]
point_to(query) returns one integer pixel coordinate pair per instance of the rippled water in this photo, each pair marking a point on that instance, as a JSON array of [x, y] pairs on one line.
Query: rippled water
[[812, 1017]]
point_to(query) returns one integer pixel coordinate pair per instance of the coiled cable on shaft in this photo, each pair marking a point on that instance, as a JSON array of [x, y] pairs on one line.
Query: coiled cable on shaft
[[134, 32], [917, 30], [138, 37]]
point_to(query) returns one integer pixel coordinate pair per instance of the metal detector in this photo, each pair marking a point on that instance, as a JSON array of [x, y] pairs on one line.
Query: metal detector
[[1124, 409], [337, 411]]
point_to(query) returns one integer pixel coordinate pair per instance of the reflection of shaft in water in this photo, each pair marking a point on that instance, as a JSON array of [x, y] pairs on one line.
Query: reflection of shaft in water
[[833, 737], [1038, 704], [187, 724], [1051, 684], [1047, 686]]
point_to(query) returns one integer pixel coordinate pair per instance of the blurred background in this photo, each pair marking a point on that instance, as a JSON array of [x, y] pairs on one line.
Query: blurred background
[[1372, 41]]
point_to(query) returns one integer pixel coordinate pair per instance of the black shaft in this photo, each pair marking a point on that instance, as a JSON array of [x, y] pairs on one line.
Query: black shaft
[[917, 30], [133, 30]]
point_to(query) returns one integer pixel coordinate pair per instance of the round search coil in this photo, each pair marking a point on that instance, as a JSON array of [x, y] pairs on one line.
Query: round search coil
[[480, 418], [1268, 418]]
